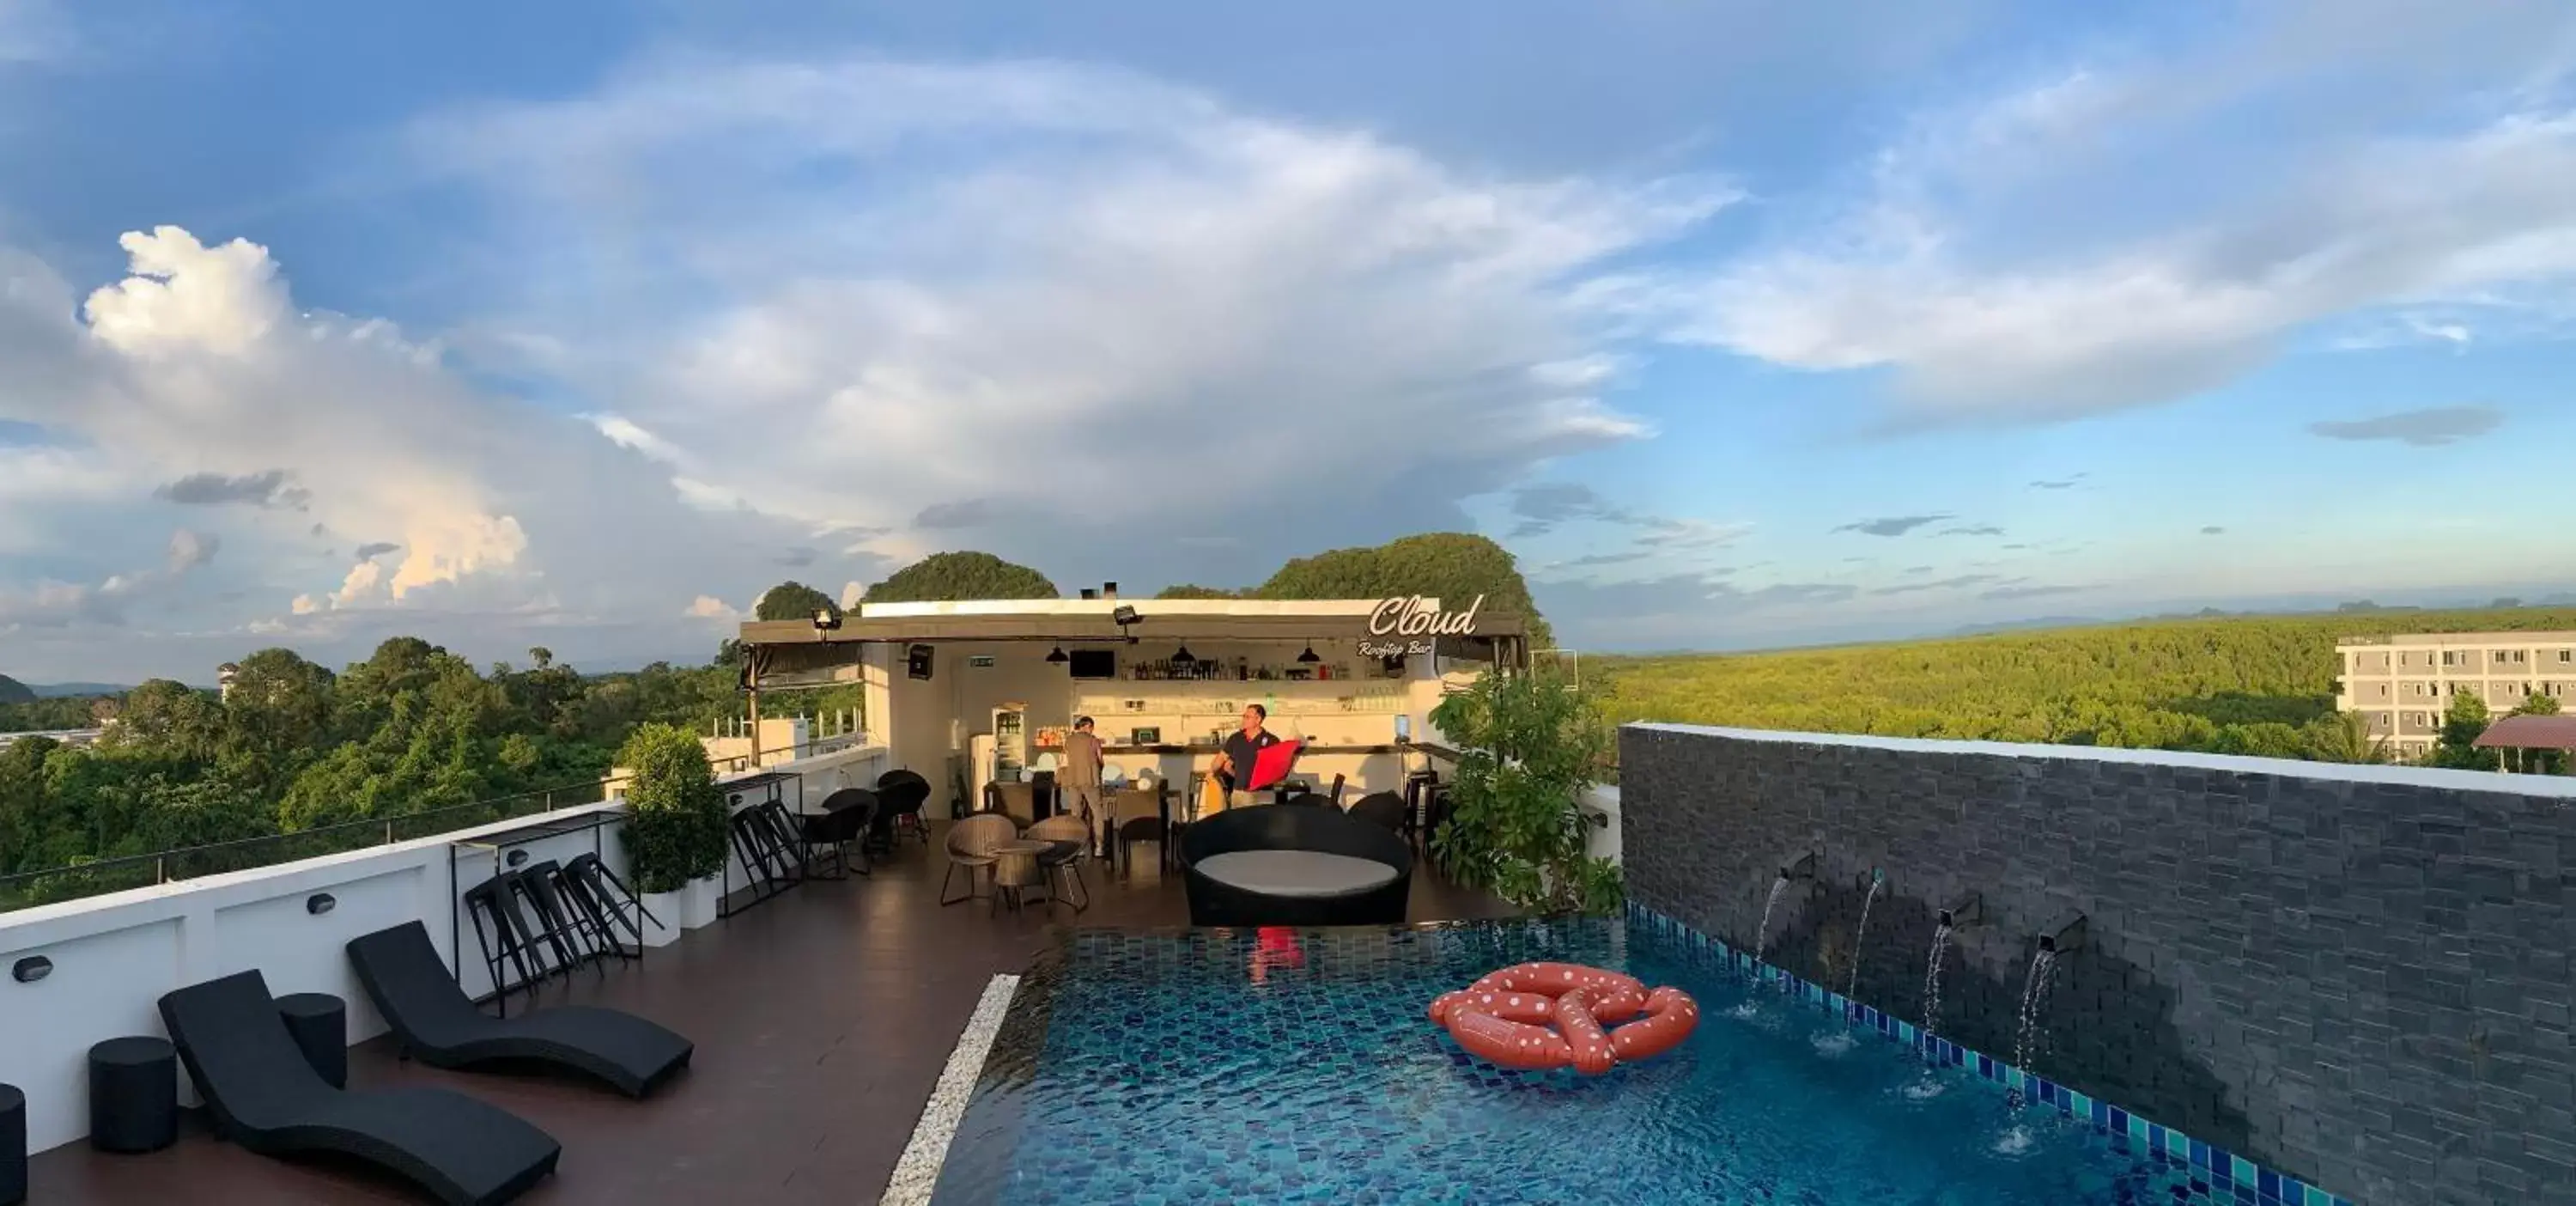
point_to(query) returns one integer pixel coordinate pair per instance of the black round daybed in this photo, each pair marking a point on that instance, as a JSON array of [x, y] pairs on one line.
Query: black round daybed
[[1283, 865]]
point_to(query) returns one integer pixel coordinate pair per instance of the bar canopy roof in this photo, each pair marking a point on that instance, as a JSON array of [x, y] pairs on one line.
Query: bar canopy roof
[[796, 653]]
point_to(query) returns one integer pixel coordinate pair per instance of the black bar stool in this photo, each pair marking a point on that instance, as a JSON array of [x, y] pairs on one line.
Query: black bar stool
[[133, 1095], [13, 1146], [320, 1024]]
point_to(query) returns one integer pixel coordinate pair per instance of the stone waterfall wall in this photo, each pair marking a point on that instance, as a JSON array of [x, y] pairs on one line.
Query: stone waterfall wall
[[2357, 975]]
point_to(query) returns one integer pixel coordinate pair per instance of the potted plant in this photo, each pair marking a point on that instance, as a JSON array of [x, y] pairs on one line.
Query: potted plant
[[1529, 746], [675, 828]]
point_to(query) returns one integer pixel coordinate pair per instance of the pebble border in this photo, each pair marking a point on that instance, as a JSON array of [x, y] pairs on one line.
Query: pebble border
[[917, 1173]]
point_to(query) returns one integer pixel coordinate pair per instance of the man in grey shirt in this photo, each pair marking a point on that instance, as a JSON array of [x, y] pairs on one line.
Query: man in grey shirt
[[1079, 778]]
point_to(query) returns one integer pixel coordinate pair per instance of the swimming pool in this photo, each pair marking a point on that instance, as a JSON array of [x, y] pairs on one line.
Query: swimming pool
[[1224, 1066]]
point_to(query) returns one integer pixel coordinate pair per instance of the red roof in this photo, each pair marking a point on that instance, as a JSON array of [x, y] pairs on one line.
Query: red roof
[[2530, 733]]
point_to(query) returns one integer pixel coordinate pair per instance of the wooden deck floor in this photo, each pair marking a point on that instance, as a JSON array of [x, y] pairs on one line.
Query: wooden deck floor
[[821, 1019]]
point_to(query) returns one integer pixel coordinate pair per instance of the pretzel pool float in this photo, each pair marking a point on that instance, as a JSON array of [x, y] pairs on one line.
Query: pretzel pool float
[[1505, 1018]]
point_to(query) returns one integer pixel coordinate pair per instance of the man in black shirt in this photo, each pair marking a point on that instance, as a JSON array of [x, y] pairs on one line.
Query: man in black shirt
[[1242, 750]]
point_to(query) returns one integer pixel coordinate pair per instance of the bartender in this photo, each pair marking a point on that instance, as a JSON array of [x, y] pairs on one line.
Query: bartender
[[1241, 752]]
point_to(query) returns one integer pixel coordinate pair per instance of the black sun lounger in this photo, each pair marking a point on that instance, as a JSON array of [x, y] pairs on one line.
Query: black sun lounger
[[266, 1098], [437, 1025]]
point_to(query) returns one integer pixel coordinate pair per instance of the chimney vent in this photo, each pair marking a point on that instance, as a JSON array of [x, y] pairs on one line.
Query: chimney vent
[[1088, 593], [1109, 590]]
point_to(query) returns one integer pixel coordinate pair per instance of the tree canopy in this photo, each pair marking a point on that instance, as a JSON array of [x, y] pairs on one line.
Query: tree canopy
[[1453, 567], [1187, 590], [2258, 685], [295, 747], [793, 600], [941, 577]]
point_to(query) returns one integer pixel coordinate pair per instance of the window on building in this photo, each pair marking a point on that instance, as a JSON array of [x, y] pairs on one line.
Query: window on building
[[2446, 658], [2566, 655]]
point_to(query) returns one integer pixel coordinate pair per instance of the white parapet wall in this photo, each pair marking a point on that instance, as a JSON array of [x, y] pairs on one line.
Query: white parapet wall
[[113, 956]]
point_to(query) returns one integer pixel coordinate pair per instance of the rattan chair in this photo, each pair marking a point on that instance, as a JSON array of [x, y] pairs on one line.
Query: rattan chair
[[1138, 815], [970, 847], [1383, 808], [1068, 841]]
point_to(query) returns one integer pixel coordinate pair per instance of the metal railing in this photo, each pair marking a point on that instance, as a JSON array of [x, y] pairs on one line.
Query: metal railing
[[100, 876]]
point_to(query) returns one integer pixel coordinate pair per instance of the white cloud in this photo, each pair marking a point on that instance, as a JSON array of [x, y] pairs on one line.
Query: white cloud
[[51, 604], [2112, 238], [198, 368], [1051, 279], [708, 607]]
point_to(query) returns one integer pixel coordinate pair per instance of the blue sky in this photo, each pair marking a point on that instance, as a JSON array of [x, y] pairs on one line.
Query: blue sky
[[1741, 324]]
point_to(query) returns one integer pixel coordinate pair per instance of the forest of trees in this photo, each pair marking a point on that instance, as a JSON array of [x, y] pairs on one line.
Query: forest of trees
[[417, 730], [295, 747], [2259, 685]]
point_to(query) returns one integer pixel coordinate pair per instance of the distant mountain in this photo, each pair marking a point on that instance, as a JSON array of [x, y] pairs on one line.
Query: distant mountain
[[12, 691], [2025, 625], [64, 690]]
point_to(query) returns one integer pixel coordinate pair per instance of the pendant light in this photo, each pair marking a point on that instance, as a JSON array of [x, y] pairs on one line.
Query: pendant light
[[1057, 656], [1308, 657], [1181, 657]]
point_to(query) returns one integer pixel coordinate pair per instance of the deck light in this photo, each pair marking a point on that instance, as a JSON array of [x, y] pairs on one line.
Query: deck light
[[826, 619], [1124, 615]]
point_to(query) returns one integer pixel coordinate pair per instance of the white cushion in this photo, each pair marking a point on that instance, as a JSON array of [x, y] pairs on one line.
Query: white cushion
[[1296, 872]]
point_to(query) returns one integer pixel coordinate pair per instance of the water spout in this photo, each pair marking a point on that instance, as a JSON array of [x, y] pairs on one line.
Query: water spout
[[1803, 867], [2032, 1035], [2065, 936], [1762, 931], [1860, 936], [1932, 984], [1969, 910]]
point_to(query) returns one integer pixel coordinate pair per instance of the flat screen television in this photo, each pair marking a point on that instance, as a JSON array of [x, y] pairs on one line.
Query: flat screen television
[[1094, 663]]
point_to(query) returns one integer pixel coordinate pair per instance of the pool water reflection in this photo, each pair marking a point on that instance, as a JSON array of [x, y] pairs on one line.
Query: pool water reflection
[[1215, 1066]]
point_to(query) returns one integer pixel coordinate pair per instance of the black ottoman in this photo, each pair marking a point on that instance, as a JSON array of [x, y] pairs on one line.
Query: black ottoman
[[133, 1095], [320, 1024], [13, 1146]]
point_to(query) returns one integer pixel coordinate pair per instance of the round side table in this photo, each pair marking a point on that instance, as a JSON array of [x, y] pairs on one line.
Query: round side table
[[133, 1095], [1015, 869], [13, 1146], [320, 1024]]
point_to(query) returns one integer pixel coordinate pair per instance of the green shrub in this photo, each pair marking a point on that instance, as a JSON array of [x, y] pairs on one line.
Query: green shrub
[[1529, 744], [677, 830]]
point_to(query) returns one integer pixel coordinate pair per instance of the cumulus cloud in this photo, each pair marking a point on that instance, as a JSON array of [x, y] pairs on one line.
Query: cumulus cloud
[[51, 604], [2007, 261], [708, 607], [1974, 529], [198, 372], [1890, 525], [2213, 530], [2422, 428], [1055, 266]]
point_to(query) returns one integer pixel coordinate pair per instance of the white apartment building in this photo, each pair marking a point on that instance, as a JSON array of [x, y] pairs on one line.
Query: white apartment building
[[2402, 684]]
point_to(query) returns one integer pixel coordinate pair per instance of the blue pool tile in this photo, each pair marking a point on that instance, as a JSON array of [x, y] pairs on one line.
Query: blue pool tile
[[2241, 1169], [2268, 1184], [1985, 1066], [2199, 1154], [2101, 1113]]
